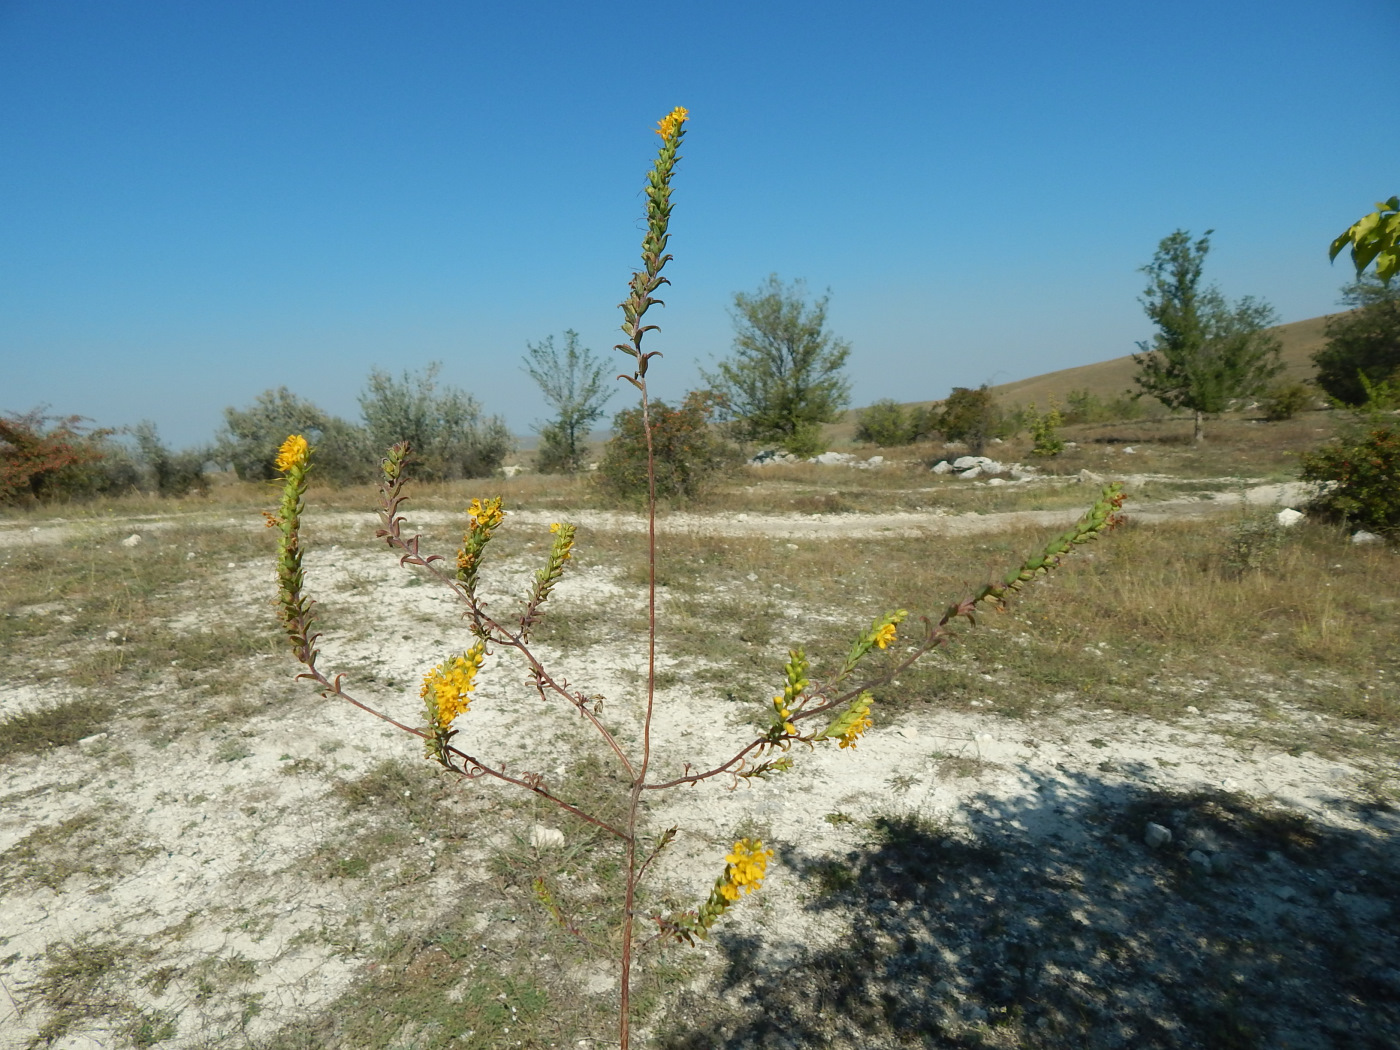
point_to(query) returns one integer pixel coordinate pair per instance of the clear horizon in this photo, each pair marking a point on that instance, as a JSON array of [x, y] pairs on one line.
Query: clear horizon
[[208, 201]]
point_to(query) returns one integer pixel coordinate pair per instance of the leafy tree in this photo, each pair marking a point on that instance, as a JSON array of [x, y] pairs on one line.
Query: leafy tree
[[444, 427], [1206, 352], [173, 473], [785, 377], [971, 416], [1374, 237], [688, 454], [886, 424], [251, 437], [1363, 346], [572, 382]]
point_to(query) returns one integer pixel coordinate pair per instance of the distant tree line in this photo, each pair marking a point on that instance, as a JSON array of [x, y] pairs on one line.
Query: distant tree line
[[46, 457]]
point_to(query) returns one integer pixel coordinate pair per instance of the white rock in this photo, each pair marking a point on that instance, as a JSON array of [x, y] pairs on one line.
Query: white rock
[[832, 459], [1156, 836], [971, 472], [996, 481], [964, 462], [134, 540], [874, 461], [1199, 861], [1090, 477], [1129, 450], [542, 837], [942, 467], [1192, 709], [88, 741], [1360, 536], [113, 636], [512, 470], [1288, 517]]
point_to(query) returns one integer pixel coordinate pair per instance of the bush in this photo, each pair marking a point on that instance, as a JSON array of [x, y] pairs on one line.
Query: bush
[[886, 424], [689, 456], [1083, 407], [42, 456], [1286, 401], [971, 416], [1252, 543], [1363, 469], [444, 427]]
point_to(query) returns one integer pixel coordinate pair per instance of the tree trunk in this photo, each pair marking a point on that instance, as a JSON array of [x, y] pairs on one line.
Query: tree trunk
[[1199, 435]]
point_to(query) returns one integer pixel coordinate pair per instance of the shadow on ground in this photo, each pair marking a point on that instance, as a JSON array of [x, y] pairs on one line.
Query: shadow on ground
[[1050, 923]]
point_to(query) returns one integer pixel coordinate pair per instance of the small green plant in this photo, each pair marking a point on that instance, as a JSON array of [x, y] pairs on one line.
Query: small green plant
[[1253, 543], [809, 709], [1045, 430]]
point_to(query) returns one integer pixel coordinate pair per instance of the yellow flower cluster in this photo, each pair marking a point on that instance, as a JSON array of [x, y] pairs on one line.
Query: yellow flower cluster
[[293, 453], [855, 729], [745, 868], [668, 124], [784, 715], [486, 514], [885, 635], [563, 545], [447, 688]]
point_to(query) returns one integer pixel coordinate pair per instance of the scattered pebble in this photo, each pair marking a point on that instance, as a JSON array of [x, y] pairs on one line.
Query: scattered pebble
[[1288, 517], [1362, 536], [1156, 836], [134, 540]]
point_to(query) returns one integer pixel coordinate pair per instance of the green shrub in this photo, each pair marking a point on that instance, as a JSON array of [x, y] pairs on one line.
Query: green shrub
[[1081, 406], [689, 455], [1286, 400], [1363, 469], [886, 424], [1252, 543]]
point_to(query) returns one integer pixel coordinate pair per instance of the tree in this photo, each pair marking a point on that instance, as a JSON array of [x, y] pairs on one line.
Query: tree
[[1206, 353], [572, 382], [445, 428], [1374, 237], [1363, 345], [251, 437], [784, 379], [971, 416]]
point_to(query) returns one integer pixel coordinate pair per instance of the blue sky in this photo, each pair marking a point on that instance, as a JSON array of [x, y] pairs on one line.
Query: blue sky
[[199, 201]]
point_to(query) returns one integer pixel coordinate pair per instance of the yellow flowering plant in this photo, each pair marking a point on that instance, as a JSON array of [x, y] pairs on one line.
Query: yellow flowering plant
[[809, 710]]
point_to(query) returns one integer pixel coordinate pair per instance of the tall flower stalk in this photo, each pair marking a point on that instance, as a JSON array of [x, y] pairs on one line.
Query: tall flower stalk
[[808, 710]]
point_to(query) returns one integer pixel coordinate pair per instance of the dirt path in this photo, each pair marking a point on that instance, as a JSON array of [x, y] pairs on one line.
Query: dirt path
[[904, 524]]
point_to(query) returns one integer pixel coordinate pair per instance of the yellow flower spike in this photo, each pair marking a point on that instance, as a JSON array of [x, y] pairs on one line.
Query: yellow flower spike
[[885, 635], [483, 518], [447, 688], [849, 726], [293, 453], [667, 125], [745, 869]]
